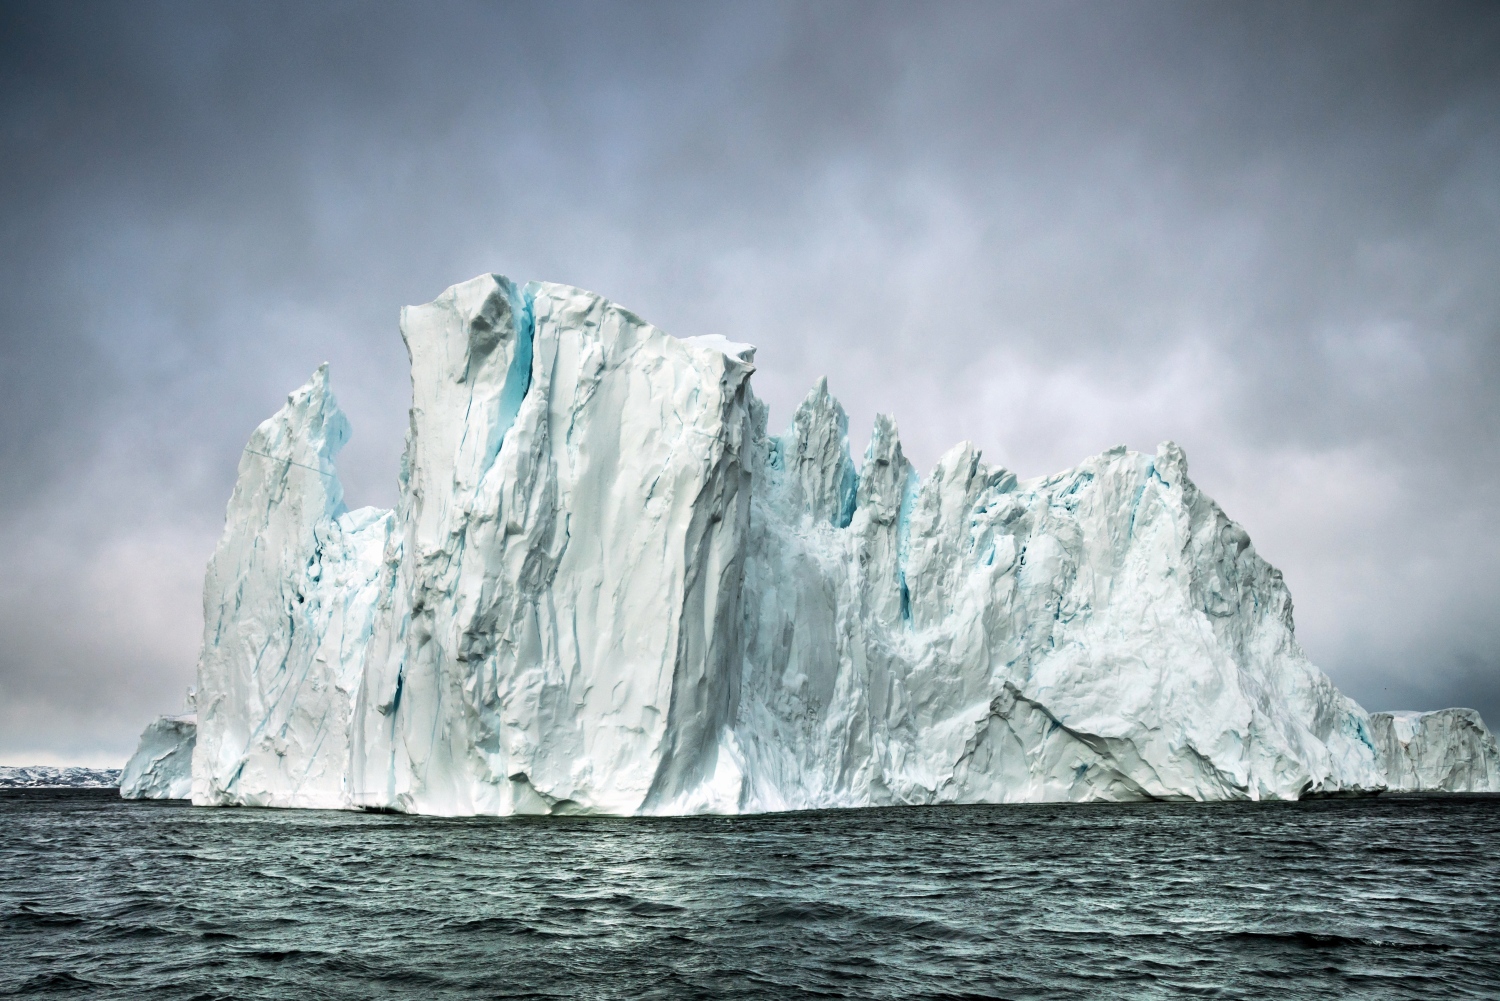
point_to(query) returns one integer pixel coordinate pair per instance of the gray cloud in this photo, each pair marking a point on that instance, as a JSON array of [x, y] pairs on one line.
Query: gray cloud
[[1267, 231]]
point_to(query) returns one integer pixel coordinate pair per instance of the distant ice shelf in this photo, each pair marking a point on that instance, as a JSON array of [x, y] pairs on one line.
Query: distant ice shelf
[[50, 777], [608, 588]]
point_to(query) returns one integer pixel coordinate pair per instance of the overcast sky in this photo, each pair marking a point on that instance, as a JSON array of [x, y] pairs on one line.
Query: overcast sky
[[1269, 232]]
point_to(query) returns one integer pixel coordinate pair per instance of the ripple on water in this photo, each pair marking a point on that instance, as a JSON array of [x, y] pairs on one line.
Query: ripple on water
[[1387, 898]]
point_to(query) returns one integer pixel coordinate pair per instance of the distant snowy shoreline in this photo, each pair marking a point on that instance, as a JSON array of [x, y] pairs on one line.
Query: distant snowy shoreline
[[48, 777]]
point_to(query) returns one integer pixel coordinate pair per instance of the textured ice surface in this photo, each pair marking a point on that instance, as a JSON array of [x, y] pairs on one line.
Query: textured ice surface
[[162, 765], [608, 588], [550, 620], [1446, 751], [1104, 633]]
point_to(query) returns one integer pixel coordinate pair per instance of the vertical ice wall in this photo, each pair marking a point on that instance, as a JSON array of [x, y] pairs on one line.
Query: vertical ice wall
[[162, 765], [565, 610]]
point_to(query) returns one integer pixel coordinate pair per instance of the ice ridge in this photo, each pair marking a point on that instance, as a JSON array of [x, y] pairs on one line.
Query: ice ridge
[[607, 588]]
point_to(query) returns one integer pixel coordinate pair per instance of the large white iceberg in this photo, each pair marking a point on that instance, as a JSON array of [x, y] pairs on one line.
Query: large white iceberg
[[607, 588]]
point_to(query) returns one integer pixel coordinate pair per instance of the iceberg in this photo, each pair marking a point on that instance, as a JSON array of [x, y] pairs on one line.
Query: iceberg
[[1445, 751], [607, 588]]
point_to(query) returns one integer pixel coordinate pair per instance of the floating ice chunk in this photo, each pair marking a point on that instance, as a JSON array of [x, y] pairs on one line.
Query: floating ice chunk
[[162, 765]]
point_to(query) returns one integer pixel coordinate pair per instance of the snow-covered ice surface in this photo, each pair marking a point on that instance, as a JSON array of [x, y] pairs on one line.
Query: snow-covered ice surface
[[608, 588], [162, 765], [1445, 751]]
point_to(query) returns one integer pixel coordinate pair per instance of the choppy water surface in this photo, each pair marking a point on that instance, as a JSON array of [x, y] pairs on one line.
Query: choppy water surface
[[1388, 898]]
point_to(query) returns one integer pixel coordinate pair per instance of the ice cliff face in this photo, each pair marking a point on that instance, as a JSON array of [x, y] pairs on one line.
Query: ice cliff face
[[289, 605], [607, 588], [1448, 751], [162, 765]]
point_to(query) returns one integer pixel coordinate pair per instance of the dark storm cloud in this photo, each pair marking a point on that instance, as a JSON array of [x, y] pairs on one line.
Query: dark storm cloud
[[1268, 231]]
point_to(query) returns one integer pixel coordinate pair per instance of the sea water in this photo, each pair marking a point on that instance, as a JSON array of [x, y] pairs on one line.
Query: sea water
[[1367, 898]]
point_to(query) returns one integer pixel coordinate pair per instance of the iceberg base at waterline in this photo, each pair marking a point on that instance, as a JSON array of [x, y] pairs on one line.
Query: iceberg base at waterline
[[608, 588]]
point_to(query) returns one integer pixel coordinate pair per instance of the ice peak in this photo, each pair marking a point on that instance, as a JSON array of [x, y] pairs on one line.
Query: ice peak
[[886, 477], [815, 450], [1171, 462], [294, 449]]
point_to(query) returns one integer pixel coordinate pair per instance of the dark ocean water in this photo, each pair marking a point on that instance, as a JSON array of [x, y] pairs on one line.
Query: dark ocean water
[[1385, 898]]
